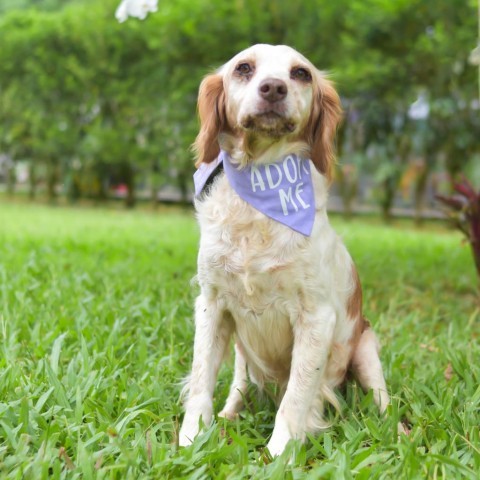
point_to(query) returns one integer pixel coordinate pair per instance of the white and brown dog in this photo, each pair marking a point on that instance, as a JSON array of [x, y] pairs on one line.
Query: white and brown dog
[[272, 271]]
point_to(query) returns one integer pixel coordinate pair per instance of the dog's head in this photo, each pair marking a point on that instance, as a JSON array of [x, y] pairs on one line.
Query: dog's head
[[265, 95]]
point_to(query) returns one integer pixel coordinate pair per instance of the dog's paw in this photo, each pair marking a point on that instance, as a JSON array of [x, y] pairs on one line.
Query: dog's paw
[[402, 429], [228, 414], [279, 440], [276, 448], [188, 432], [197, 415], [185, 439]]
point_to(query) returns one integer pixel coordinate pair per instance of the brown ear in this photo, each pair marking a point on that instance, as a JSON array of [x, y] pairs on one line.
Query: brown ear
[[322, 126], [211, 111]]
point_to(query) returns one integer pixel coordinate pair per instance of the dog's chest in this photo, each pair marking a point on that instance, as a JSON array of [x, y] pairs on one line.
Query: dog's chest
[[251, 277], [254, 264]]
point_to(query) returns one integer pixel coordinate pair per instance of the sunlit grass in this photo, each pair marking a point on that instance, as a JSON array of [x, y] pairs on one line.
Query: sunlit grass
[[96, 334]]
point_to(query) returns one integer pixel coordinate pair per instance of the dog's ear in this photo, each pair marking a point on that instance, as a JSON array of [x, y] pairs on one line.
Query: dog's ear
[[321, 128], [211, 111]]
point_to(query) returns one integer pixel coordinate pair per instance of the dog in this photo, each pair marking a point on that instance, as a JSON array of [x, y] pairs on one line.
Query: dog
[[272, 272]]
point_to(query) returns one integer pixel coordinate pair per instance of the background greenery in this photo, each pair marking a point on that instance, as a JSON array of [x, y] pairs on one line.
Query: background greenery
[[89, 103], [96, 334], [96, 305]]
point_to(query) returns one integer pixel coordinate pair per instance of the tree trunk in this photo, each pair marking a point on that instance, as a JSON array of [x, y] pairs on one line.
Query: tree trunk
[[32, 180], [387, 201], [130, 183], [11, 179], [74, 186], [52, 178], [452, 165], [347, 179], [183, 185], [155, 185], [419, 196]]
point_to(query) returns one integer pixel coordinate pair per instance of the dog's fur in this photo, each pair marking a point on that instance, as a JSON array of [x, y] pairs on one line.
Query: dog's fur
[[293, 303]]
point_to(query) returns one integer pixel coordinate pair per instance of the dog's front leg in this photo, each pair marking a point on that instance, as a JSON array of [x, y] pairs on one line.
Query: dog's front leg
[[212, 332], [313, 333]]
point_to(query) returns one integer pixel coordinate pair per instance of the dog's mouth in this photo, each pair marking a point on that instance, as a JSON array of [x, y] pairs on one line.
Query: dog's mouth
[[269, 123], [270, 115]]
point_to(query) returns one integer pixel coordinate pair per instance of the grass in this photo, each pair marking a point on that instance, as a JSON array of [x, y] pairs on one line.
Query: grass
[[96, 333]]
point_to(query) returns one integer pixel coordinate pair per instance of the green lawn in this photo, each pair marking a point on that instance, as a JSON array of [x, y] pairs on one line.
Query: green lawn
[[96, 334]]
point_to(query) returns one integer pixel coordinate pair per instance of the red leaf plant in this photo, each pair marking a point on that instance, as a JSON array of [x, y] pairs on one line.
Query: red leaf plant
[[464, 212]]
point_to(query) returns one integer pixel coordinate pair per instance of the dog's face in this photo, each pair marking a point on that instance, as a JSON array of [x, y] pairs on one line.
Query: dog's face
[[264, 95], [269, 90]]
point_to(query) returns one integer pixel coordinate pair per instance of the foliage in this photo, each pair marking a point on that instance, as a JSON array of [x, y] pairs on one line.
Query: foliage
[[97, 334], [90, 102], [403, 49], [465, 214], [7, 5]]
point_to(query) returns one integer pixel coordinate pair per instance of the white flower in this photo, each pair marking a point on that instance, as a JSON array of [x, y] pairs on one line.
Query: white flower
[[135, 8], [419, 109], [474, 58]]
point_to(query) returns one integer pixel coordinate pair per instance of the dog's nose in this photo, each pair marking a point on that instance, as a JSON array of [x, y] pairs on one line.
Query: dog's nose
[[273, 90]]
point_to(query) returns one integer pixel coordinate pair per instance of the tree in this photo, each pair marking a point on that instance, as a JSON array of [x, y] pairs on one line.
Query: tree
[[91, 101]]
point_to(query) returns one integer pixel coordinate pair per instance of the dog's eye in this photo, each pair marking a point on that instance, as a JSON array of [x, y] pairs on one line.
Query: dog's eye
[[244, 69], [302, 74]]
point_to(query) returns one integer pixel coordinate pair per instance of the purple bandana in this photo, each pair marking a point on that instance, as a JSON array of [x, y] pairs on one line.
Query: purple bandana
[[282, 190]]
